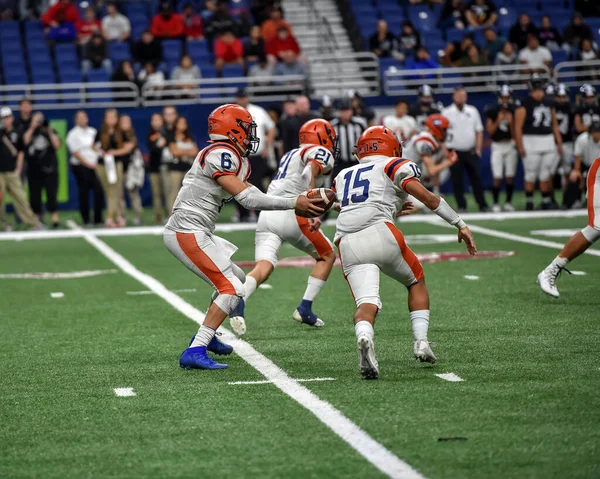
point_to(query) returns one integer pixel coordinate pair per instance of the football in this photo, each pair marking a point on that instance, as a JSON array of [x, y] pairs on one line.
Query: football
[[327, 198]]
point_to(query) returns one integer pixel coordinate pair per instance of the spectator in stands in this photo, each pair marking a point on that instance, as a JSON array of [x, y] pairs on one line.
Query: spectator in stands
[[41, 143], [158, 170], [115, 26], [430, 3], [243, 24], [133, 168], [167, 24], [473, 58], [183, 150], [383, 43], [588, 8], [148, 49], [192, 22], [264, 70], [111, 145], [83, 161], [548, 34], [409, 39], [359, 109], [186, 72], [296, 113], [11, 165], [254, 48], [535, 56], [66, 8], [96, 55], [401, 123], [454, 51], [493, 44], [507, 57], [63, 32], [577, 31], [88, 26], [123, 73], [219, 22], [481, 13], [587, 53], [8, 10], [228, 51], [519, 32], [271, 26], [290, 66], [152, 79], [452, 16], [421, 61], [284, 43]]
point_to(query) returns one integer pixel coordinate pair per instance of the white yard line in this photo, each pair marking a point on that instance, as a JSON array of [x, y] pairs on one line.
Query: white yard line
[[359, 440], [472, 277], [453, 378], [71, 275], [57, 295], [146, 291], [124, 392], [265, 381]]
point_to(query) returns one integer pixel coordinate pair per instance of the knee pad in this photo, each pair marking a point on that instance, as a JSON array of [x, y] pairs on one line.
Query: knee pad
[[227, 302], [591, 234]]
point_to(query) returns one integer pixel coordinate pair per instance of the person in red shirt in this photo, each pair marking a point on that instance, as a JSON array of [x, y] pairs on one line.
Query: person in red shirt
[[228, 50], [273, 23], [87, 27], [68, 10], [193, 28], [284, 42], [167, 24]]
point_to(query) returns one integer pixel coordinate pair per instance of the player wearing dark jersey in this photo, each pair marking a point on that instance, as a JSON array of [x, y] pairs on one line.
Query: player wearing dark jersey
[[589, 111], [424, 107]]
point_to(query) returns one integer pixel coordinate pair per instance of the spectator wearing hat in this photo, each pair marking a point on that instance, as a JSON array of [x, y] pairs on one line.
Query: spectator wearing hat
[[228, 51], [115, 26], [348, 128], [166, 23], [11, 164]]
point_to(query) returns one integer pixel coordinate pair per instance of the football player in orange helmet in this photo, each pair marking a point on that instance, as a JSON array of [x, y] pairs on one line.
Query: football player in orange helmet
[[219, 172], [299, 169]]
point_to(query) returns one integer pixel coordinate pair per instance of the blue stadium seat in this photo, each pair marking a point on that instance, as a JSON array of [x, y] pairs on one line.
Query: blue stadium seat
[[425, 22], [70, 75], [139, 19], [98, 75], [133, 8], [455, 35], [197, 47], [559, 56], [172, 49], [16, 77], [11, 48], [208, 71], [385, 63], [66, 54], [119, 51], [230, 71], [10, 29], [506, 18], [137, 30], [46, 76], [390, 9]]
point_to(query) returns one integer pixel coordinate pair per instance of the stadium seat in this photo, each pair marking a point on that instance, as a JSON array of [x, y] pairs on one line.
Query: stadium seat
[[119, 51], [425, 22], [137, 30], [231, 71], [506, 18], [69, 75], [10, 29], [172, 49], [45, 76], [455, 35], [139, 19], [16, 77], [135, 8], [559, 56], [98, 75], [208, 71], [66, 54]]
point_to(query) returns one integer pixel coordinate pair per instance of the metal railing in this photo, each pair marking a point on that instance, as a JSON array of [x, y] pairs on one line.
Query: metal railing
[[574, 73], [336, 73], [445, 80]]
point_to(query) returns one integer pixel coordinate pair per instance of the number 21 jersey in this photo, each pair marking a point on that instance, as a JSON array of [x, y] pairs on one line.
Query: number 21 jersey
[[372, 191]]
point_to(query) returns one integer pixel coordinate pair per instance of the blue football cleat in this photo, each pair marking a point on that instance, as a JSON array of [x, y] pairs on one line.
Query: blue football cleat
[[216, 346], [306, 316], [197, 358]]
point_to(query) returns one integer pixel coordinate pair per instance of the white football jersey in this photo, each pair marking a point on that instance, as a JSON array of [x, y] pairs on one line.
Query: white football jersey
[[289, 182], [422, 144], [201, 198], [372, 191], [402, 127]]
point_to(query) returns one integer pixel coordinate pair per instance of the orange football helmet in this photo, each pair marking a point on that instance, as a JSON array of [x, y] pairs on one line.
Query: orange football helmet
[[438, 126], [235, 124], [378, 140], [320, 132]]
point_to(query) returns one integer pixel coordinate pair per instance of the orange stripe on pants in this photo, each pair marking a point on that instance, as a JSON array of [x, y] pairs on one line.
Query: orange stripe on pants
[[407, 254], [591, 179], [317, 238], [189, 245]]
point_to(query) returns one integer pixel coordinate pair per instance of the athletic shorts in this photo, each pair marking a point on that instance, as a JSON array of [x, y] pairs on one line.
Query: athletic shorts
[[540, 157], [275, 227], [380, 247], [504, 159]]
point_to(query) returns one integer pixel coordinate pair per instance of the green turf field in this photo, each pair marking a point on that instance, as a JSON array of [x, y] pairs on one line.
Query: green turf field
[[528, 405]]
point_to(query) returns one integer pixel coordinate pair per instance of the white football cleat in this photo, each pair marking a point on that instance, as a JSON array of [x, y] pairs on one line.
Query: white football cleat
[[496, 208], [369, 367], [547, 281], [238, 324], [508, 207], [422, 351]]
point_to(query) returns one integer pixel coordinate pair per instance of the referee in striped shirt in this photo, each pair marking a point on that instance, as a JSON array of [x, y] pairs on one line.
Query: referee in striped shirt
[[348, 128]]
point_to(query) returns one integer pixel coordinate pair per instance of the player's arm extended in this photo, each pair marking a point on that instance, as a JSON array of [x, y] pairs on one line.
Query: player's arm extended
[[439, 206], [251, 198]]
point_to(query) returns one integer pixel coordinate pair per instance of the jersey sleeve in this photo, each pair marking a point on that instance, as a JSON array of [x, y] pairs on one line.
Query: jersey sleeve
[[402, 172], [320, 155], [580, 144], [219, 162]]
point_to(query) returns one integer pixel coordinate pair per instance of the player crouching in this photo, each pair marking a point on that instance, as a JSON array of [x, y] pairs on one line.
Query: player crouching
[[299, 169], [369, 242], [219, 172]]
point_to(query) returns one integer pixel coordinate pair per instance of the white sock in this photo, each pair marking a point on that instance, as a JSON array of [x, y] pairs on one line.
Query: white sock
[[312, 288], [364, 327], [559, 262], [250, 286], [420, 323], [203, 336]]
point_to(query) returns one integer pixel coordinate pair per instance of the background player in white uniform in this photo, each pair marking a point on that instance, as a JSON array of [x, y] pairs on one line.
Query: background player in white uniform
[[369, 242], [401, 123], [218, 173], [299, 170]]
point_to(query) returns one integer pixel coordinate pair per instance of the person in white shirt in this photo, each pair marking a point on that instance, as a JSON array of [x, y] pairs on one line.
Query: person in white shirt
[[465, 136], [401, 123], [115, 26], [259, 161], [83, 161], [535, 56]]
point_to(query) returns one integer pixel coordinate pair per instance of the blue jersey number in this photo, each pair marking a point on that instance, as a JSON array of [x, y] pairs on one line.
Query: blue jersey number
[[323, 155], [416, 170], [358, 183], [283, 165], [226, 161]]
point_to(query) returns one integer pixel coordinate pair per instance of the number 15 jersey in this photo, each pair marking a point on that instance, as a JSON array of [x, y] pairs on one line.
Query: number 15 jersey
[[371, 192]]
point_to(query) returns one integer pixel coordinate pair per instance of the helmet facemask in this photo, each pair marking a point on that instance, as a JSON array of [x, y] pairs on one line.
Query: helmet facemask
[[251, 143]]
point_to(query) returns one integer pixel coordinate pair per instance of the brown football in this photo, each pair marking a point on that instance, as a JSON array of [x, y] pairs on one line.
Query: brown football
[[326, 196]]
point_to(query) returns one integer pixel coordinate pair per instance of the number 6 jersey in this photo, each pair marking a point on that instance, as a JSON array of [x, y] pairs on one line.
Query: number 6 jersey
[[371, 191]]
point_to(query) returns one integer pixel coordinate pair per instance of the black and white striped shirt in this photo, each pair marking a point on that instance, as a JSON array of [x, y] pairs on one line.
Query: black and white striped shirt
[[348, 135]]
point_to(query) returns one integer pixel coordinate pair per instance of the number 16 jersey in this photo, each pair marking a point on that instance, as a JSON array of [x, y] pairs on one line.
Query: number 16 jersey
[[372, 192]]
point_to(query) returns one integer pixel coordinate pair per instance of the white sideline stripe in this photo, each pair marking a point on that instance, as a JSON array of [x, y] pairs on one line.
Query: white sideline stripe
[[560, 233], [77, 232], [453, 378], [71, 275], [265, 381], [146, 291], [472, 277], [124, 392], [57, 295], [359, 440]]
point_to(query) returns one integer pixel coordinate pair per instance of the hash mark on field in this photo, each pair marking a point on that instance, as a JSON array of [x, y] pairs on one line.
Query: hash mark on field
[[71, 275], [146, 291], [265, 381], [473, 277], [265, 286], [453, 378], [124, 392], [578, 273], [57, 295]]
